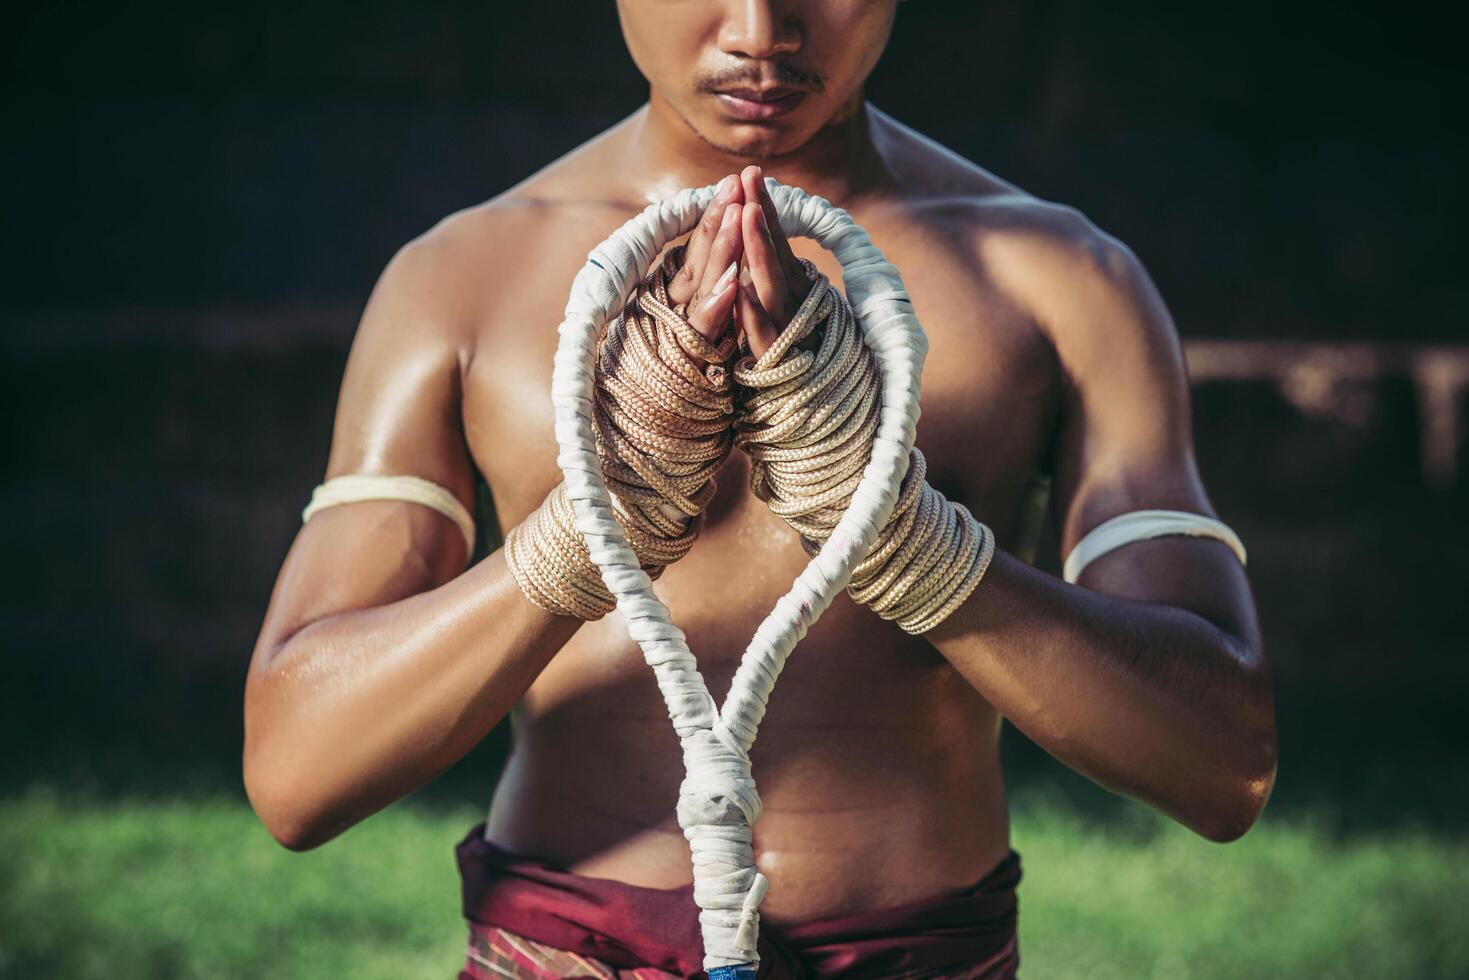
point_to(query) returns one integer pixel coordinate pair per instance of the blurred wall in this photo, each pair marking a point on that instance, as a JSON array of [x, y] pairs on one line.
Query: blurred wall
[[1283, 168], [199, 199]]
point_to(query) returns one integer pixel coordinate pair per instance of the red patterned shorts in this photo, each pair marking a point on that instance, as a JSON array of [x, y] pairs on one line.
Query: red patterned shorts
[[497, 954]]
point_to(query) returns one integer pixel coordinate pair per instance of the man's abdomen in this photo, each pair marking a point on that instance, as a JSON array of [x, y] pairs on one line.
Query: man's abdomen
[[877, 764]]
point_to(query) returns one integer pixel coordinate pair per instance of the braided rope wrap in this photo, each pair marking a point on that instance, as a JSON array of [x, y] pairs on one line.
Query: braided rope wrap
[[806, 423], [718, 802], [664, 406]]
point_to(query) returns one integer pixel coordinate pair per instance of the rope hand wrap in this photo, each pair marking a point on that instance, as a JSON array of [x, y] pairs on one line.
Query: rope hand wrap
[[807, 423], [664, 406], [717, 801]]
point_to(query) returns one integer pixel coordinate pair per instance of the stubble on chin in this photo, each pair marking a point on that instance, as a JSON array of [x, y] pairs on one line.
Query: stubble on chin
[[756, 149]]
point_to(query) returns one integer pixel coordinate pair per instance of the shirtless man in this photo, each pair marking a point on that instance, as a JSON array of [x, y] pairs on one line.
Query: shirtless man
[[383, 660]]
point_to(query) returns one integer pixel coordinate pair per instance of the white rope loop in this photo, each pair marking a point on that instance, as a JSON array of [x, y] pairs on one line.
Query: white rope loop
[[718, 802]]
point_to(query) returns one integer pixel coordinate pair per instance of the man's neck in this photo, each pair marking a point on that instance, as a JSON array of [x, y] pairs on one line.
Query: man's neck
[[663, 154]]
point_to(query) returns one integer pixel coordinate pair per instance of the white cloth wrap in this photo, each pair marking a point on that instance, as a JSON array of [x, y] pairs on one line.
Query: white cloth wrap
[[718, 802], [1141, 525], [350, 488]]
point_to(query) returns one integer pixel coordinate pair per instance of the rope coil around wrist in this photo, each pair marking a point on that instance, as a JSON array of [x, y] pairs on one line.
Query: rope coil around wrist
[[807, 423], [664, 405], [718, 802]]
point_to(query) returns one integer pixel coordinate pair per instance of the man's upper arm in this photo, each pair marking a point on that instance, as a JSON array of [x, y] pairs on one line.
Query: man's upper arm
[[1125, 440], [398, 413]]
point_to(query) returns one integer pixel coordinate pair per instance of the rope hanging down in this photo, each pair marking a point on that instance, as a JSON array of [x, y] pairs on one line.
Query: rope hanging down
[[808, 425], [718, 801]]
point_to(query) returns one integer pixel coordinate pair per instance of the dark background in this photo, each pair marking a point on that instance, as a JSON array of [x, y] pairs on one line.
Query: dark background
[[198, 200]]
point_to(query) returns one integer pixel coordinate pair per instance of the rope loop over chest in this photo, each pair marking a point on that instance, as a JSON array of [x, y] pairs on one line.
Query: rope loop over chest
[[718, 803]]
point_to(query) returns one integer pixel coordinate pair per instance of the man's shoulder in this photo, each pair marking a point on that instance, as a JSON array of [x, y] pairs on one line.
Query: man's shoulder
[[460, 266], [500, 231], [1049, 255], [1013, 231], [1081, 285]]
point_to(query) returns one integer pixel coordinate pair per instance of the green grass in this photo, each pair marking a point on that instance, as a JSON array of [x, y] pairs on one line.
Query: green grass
[[1152, 900], [196, 888]]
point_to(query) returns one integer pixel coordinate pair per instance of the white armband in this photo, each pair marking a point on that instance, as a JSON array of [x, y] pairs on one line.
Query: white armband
[[353, 487], [1139, 525]]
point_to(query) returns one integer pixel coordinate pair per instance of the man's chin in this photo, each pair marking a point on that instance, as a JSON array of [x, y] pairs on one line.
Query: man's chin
[[743, 139], [740, 138]]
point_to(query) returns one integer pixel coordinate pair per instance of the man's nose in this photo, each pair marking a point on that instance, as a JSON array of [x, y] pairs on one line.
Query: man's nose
[[760, 28]]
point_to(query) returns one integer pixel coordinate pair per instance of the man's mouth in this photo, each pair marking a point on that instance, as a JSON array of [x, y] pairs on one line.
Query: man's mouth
[[758, 104]]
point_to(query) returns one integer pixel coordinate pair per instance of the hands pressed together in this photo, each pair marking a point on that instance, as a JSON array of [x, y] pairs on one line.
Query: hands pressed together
[[740, 224], [733, 340]]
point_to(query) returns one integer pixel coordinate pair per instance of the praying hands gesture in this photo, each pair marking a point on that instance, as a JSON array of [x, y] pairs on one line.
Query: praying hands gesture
[[740, 223], [804, 410], [809, 433]]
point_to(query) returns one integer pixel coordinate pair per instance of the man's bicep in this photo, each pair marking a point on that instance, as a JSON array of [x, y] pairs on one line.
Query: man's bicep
[[1126, 444], [399, 409], [398, 414]]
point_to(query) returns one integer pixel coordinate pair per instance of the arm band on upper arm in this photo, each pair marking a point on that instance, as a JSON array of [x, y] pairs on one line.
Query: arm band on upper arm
[[1139, 525], [353, 487]]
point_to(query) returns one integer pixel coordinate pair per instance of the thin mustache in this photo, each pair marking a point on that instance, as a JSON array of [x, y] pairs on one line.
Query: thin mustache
[[788, 77]]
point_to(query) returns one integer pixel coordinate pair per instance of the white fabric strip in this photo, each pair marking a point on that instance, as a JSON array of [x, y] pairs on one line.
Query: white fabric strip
[[352, 487], [718, 802], [1139, 525]]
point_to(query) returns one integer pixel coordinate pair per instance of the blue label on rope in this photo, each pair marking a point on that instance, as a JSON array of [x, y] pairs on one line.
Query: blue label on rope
[[740, 971]]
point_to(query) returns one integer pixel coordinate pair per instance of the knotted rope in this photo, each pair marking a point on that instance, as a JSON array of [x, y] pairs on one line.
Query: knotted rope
[[807, 426], [718, 801], [663, 411]]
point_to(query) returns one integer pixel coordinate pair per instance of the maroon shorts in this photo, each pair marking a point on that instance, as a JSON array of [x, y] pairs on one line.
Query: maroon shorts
[[529, 919]]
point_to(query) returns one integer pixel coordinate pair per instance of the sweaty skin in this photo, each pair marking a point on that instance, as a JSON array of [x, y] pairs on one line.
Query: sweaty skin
[[380, 663]]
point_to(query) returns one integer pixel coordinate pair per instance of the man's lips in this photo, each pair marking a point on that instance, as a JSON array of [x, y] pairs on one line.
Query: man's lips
[[747, 103]]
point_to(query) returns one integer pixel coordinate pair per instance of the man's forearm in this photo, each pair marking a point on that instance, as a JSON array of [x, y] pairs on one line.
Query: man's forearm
[[1148, 700], [358, 709]]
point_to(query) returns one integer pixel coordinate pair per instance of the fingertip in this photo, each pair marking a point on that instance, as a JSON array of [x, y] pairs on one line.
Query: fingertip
[[758, 231], [750, 181]]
